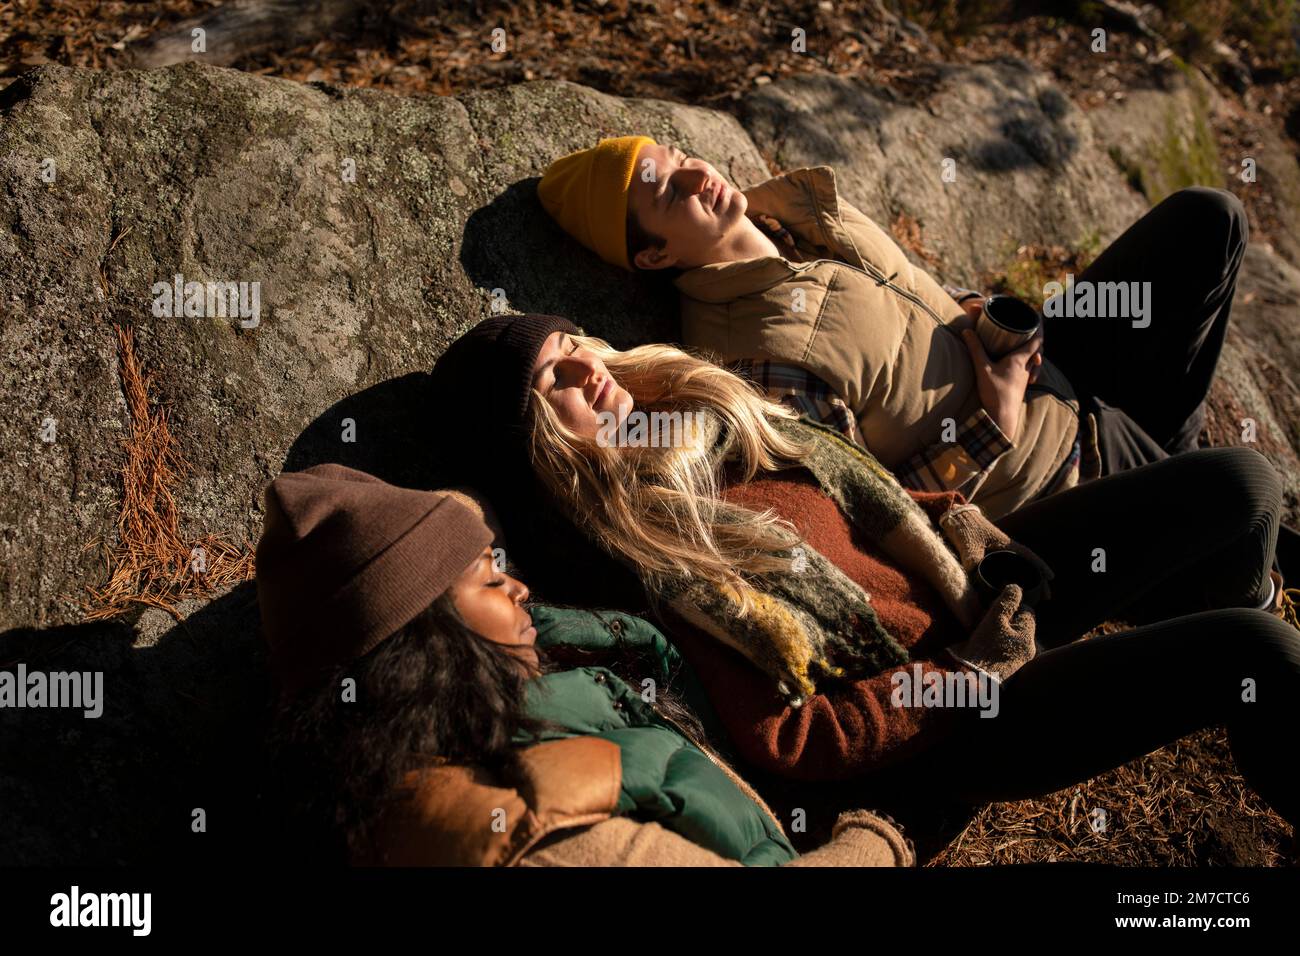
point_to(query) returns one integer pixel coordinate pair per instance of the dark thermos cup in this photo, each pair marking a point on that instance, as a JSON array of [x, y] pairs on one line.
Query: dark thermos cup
[[997, 569]]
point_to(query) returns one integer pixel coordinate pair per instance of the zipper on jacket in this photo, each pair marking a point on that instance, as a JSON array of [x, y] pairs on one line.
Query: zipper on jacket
[[727, 771], [880, 279]]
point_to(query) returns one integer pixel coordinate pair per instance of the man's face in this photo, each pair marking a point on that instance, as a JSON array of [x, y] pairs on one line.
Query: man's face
[[685, 202]]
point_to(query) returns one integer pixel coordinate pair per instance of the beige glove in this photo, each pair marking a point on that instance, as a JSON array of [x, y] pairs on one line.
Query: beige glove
[[1004, 640], [862, 838], [972, 536]]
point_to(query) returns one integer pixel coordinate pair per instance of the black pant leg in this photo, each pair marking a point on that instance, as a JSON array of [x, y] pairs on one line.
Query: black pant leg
[[1123, 443], [1189, 247], [1087, 707], [1184, 534]]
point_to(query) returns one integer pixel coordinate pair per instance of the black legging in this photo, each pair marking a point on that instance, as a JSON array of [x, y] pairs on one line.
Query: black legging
[[1184, 534]]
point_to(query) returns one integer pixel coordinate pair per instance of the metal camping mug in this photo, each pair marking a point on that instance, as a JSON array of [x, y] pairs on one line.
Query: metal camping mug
[[1005, 323], [997, 569]]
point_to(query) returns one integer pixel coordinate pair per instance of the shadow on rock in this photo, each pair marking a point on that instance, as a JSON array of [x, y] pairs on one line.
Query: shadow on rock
[[183, 724], [385, 430], [859, 109], [1036, 134], [511, 244]]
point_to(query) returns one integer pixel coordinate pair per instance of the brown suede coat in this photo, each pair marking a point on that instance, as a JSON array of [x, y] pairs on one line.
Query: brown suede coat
[[458, 816]]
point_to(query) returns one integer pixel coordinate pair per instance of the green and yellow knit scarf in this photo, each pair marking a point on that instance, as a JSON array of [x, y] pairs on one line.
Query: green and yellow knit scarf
[[815, 621]]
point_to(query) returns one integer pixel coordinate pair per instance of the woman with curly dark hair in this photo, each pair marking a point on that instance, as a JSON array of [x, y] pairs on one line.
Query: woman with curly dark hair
[[426, 717]]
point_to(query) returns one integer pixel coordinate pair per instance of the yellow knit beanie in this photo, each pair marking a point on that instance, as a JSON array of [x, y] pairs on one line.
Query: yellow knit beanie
[[586, 193]]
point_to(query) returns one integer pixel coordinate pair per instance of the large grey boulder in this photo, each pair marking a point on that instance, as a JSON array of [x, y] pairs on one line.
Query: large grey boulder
[[222, 176], [1023, 162], [218, 175]]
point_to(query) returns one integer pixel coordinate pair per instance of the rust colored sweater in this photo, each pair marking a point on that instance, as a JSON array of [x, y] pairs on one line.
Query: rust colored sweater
[[850, 728]]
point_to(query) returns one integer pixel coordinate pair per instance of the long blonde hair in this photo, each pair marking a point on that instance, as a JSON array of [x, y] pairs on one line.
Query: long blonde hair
[[658, 508]]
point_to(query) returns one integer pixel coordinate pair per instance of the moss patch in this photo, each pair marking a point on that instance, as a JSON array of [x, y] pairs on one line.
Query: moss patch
[[1185, 155], [1185, 158], [1030, 267]]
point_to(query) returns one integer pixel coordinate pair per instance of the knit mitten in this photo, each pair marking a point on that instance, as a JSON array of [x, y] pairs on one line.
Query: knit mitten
[[972, 536], [884, 826], [861, 838], [1004, 640]]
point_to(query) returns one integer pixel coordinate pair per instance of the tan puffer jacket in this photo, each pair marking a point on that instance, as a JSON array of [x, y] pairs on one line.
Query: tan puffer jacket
[[454, 816], [879, 331]]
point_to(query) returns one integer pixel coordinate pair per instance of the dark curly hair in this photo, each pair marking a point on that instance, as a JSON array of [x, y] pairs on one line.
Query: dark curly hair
[[434, 689]]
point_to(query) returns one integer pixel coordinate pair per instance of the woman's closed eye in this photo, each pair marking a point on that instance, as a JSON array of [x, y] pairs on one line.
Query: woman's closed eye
[[555, 376]]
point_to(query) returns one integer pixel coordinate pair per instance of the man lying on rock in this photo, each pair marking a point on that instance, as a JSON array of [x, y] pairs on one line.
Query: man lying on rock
[[792, 286]]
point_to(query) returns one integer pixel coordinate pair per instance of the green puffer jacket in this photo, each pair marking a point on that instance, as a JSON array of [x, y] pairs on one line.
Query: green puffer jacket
[[666, 778]]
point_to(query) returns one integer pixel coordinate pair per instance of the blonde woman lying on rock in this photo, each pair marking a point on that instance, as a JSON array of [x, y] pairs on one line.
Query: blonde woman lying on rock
[[425, 717]]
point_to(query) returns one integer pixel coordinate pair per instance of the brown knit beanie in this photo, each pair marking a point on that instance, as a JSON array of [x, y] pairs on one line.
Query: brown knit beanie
[[345, 560]]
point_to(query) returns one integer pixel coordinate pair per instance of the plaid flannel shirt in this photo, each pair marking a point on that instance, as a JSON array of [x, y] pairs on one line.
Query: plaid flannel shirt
[[944, 466], [955, 465]]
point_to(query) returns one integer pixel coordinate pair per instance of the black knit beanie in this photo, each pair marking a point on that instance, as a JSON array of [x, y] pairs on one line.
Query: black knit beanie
[[488, 372], [479, 395], [480, 389]]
